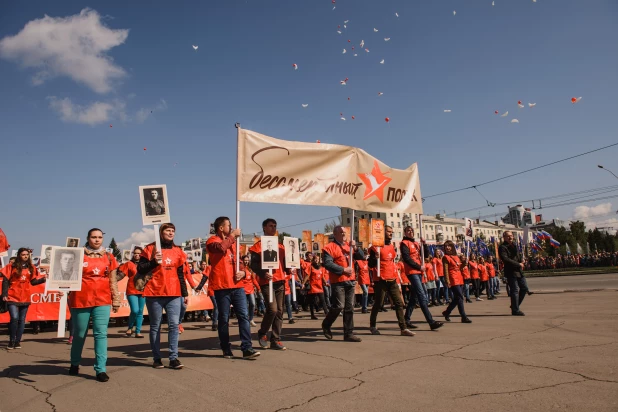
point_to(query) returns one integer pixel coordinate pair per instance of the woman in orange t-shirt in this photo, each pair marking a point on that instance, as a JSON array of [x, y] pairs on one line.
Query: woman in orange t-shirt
[[98, 296], [431, 281], [452, 270], [316, 290], [19, 276]]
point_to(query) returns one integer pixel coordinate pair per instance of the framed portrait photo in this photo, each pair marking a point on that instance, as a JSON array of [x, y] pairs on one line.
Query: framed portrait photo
[[65, 272], [196, 243], [270, 252], [197, 255], [72, 242], [46, 253], [154, 204], [126, 255], [292, 252]]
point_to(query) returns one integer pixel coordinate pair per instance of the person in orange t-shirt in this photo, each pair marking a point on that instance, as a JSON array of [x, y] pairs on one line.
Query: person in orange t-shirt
[[228, 285], [431, 281], [364, 280], [315, 279], [134, 297], [467, 279], [17, 278], [251, 287], [484, 274], [164, 288], [452, 270], [99, 294]]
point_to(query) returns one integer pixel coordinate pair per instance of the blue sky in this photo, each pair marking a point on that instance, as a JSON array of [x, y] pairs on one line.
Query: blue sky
[[65, 171]]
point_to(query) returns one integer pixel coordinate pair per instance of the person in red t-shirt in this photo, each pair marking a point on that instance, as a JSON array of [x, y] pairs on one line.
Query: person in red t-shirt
[[164, 288], [228, 285], [17, 278], [98, 295], [251, 285], [364, 280], [134, 297], [273, 318], [386, 284], [315, 279], [452, 270]]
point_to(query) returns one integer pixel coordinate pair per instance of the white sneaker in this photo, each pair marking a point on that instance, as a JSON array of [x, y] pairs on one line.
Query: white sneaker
[[479, 299], [407, 332], [252, 323], [374, 330]]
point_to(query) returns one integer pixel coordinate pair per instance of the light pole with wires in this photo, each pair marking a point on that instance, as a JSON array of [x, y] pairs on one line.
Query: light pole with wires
[[604, 168]]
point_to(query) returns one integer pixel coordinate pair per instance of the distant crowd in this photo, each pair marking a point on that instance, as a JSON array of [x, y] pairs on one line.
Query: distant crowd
[[596, 259]]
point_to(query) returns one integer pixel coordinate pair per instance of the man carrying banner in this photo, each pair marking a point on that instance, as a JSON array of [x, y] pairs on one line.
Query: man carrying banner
[[336, 261], [411, 256], [228, 286], [386, 284], [513, 270], [273, 318]]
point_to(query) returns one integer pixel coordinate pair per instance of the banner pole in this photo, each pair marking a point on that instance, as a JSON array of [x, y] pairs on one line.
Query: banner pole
[[270, 287], [157, 241], [351, 239], [62, 315], [237, 125], [294, 286], [378, 266], [420, 237]]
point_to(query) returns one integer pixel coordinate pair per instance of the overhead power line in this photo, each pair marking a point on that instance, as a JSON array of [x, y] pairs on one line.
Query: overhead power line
[[520, 173]]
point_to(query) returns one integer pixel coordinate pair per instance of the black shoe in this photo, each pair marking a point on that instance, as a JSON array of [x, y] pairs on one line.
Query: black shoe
[[17, 345], [228, 354], [436, 325], [291, 321], [530, 293], [263, 341], [364, 311], [446, 317], [468, 301], [466, 320], [74, 370], [384, 310], [215, 327], [352, 338], [519, 313], [313, 317], [11, 345], [175, 364], [102, 377], [327, 333], [157, 364], [410, 325], [250, 354], [277, 345]]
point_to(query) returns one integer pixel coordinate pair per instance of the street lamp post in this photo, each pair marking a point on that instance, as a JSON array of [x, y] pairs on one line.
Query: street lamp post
[[604, 168]]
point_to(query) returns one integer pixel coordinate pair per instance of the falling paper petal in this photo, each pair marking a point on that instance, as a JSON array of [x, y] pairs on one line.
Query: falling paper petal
[[454, 12], [110, 125], [382, 61], [496, 112], [396, 14], [521, 106], [144, 149], [531, 104], [345, 27], [340, 114], [575, 99], [355, 54], [352, 47], [362, 43], [493, 4], [348, 40], [375, 30], [305, 105], [338, 27], [387, 38], [352, 117], [514, 121], [386, 119], [380, 93], [195, 47], [519, 102], [295, 66], [317, 141], [447, 111], [346, 22], [343, 118], [348, 98], [505, 114], [367, 50], [344, 51], [338, 31]]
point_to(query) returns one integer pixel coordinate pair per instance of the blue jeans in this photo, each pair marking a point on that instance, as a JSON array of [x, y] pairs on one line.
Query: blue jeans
[[418, 290], [225, 298], [467, 289], [288, 306], [518, 289], [327, 295], [251, 305], [446, 294], [458, 300], [136, 303], [100, 320], [365, 297], [183, 310], [18, 321], [172, 306], [215, 310]]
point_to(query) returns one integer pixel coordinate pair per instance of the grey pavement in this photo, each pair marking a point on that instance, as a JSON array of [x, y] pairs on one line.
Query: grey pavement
[[574, 283], [560, 356]]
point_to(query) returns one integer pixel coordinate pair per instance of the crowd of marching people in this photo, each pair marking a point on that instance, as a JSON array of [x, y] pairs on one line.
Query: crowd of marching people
[[326, 286], [596, 259]]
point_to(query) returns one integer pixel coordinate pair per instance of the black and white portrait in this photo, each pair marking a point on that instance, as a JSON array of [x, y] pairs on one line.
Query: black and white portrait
[[189, 254], [46, 252], [270, 252], [109, 250], [154, 204], [66, 269], [316, 247], [469, 229], [197, 255], [126, 255], [292, 252], [303, 247], [72, 242], [195, 244]]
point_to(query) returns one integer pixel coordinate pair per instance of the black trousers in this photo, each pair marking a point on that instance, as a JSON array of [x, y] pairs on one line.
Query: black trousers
[[342, 299], [458, 300]]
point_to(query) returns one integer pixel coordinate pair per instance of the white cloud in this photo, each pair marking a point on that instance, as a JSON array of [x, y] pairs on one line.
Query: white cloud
[[145, 236], [584, 212], [142, 114], [95, 113], [73, 46]]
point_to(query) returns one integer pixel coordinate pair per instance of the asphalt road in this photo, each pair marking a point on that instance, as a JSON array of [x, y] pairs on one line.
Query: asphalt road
[[560, 356], [586, 282]]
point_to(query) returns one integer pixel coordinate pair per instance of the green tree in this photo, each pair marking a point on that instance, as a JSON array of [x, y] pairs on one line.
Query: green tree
[[578, 231], [282, 235], [115, 250]]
